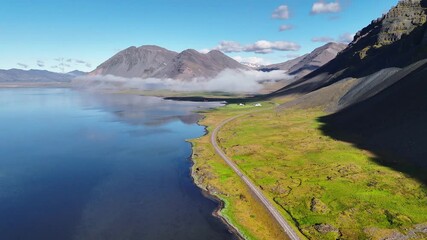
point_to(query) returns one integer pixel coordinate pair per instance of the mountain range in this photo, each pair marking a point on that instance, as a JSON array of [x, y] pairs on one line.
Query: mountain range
[[42, 76], [151, 61], [155, 62]]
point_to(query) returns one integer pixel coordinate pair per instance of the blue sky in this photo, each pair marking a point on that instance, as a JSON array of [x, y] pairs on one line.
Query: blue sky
[[81, 34]]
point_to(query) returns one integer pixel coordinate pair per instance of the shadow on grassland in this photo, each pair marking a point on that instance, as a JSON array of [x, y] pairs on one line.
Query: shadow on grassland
[[392, 125]]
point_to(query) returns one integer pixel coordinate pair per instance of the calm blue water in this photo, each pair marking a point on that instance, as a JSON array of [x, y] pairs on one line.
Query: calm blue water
[[97, 166]]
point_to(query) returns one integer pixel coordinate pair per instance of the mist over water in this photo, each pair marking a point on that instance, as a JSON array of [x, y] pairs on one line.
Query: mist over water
[[99, 166], [234, 81]]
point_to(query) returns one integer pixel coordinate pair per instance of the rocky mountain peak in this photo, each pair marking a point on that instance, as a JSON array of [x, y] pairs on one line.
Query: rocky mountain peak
[[401, 20]]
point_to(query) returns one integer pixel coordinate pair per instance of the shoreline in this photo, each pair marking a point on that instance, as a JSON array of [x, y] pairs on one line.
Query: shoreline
[[207, 193]]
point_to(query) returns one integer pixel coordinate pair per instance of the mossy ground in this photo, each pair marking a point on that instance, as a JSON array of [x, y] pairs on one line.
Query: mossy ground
[[312, 178]]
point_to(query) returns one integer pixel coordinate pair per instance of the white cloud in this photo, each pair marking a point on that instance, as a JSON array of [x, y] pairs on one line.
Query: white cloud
[[227, 81], [229, 46], [261, 47], [285, 27], [264, 47], [252, 60], [323, 39], [322, 6], [282, 12], [346, 38]]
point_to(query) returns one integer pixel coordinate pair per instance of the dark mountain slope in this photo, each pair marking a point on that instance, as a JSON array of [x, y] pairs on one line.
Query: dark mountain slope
[[392, 124]]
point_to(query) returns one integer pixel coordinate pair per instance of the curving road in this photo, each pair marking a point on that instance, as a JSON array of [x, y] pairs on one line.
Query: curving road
[[267, 204]]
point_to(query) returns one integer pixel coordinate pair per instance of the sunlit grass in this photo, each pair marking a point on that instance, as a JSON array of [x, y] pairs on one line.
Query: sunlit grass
[[298, 167]]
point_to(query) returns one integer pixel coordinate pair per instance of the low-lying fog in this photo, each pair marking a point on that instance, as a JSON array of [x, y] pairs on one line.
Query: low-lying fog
[[235, 81]]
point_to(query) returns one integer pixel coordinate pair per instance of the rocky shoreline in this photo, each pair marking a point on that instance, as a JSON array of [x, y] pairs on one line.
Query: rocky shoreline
[[208, 192]]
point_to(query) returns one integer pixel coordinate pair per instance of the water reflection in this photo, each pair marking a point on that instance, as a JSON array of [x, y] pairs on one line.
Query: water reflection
[[144, 110], [80, 166]]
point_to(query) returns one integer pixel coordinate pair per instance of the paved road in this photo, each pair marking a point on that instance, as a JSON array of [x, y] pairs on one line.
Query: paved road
[[267, 204]]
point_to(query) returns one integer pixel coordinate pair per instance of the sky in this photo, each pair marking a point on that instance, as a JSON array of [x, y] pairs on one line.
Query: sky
[[64, 35]]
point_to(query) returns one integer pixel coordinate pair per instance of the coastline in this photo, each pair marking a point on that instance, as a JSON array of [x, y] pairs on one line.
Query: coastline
[[205, 189]]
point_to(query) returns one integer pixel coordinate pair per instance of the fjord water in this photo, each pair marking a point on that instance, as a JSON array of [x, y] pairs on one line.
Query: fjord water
[[79, 165]]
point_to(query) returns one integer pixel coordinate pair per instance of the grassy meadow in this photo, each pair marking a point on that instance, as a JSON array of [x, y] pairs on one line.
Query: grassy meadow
[[328, 189]]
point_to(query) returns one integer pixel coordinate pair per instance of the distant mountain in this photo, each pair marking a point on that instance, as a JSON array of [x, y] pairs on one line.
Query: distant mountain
[[157, 62], [77, 73], [193, 64], [18, 75], [301, 66], [286, 66], [142, 62]]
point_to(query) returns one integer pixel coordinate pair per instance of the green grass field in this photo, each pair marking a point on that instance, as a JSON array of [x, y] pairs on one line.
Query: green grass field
[[327, 188]]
